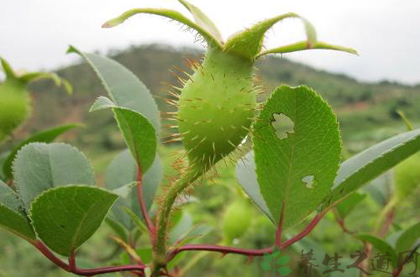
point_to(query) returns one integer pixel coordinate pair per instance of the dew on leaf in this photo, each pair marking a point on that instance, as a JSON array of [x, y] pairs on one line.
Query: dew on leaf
[[283, 125]]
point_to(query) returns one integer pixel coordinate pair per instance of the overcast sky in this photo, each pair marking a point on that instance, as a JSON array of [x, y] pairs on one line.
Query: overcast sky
[[34, 34]]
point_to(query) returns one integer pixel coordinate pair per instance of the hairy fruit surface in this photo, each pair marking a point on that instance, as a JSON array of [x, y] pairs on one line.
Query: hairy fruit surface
[[14, 107], [216, 107]]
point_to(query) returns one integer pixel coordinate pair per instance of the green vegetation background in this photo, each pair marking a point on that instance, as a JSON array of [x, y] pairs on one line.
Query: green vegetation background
[[366, 112]]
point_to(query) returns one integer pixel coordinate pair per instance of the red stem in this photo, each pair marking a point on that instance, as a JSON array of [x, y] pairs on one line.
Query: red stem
[[72, 261], [280, 227], [143, 207], [248, 252], [341, 223], [85, 272]]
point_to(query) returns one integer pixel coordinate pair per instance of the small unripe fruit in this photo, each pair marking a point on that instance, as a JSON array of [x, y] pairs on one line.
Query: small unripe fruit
[[237, 220], [407, 176], [14, 107], [216, 107]]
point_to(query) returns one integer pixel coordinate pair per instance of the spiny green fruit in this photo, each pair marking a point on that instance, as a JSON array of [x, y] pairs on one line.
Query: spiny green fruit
[[237, 219], [14, 98], [217, 103], [14, 107], [407, 177], [216, 107]]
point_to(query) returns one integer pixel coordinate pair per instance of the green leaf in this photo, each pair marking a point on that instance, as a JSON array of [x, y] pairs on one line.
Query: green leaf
[[371, 163], [12, 217], [345, 207], [265, 265], [182, 227], [139, 136], [407, 122], [247, 178], [297, 171], [382, 188], [138, 133], [195, 232], [202, 20], [65, 217], [171, 14], [185, 231], [35, 76], [304, 45], [7, 68], [134, 107], [146, 254], [382, 246], [141, 227], [407, 238], [250, 42], [123, 87], [123, 170], [46, 136], [125, 190], [40, 166], [102, 103], [3, 157], [284, 271], [117, 228], [283, 260]]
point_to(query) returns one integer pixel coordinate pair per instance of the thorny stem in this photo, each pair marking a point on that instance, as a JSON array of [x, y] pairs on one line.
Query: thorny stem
[[160, 247], [142, 204], [85, 272], [248, 252]]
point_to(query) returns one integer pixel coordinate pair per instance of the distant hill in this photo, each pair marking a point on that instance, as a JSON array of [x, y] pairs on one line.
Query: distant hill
[[360, 106]]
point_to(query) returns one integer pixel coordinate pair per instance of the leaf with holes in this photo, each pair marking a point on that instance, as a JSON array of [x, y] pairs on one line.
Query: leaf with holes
[[46, 136], [296, 169], [40, 166], [371, 163], [12, 217], [65, 217], [122, 171]]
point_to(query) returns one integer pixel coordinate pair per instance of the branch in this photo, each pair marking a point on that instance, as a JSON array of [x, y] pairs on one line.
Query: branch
[[387, 224], [249, 252], [85, 272], [142, 204], [221, 249], [341, 223]]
